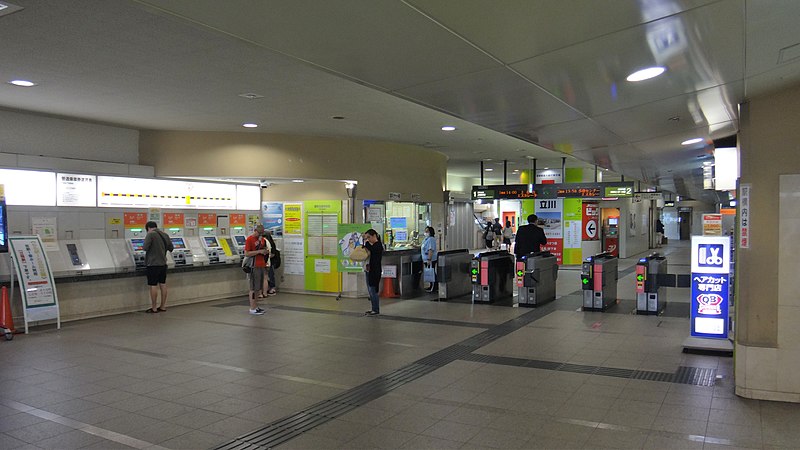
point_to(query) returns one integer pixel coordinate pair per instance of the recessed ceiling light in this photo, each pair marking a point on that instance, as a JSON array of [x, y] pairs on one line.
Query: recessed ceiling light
[[646, 74], [250, 125], [488, 170], [692, 141], [448, 128], [298, 181], [516, 170], [546, 168], [23, 83]]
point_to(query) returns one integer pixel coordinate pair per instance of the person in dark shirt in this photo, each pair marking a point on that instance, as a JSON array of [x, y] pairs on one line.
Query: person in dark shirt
[[530, 238], [156, 246], [373, 268]]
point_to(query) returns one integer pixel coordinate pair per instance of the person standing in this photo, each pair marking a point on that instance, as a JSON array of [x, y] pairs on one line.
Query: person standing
[[659, 232], [429, 254], [530, 238], [156, 246], [373, 269], [508, 233], [488, 235], [257, 247], [498, 232], [270, 287]]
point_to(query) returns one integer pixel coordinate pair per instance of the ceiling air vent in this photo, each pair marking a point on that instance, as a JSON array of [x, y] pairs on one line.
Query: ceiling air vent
[[789, 53], [251, 96]]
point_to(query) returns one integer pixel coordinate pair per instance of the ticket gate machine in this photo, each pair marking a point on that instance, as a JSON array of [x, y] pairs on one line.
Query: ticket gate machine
[[599, 281], [452, 272], [536, 278], [213, 249], [651, 295], [181, 253], [492, 276]]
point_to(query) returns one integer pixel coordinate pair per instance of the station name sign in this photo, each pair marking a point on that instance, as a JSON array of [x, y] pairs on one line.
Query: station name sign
[[552, 191]]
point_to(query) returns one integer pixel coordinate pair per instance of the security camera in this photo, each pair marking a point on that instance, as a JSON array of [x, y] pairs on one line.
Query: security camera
[[264, 184]]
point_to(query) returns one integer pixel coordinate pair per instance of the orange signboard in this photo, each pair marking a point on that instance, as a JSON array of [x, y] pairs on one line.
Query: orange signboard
[[237, 220], [207, 220], [173, 219], [135, 219]]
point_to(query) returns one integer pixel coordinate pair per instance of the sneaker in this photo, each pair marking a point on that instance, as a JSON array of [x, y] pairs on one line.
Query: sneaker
[[272, 292], [257, 312], [371, 313]]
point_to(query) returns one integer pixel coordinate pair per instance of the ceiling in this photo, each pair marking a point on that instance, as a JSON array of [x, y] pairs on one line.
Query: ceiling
[[519, 79]]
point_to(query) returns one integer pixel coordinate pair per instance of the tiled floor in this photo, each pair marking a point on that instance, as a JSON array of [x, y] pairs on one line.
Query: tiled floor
[[200, 376]]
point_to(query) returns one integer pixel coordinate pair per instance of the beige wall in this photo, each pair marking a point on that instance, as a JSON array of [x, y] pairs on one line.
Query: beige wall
[[379, 167], [770, 145]]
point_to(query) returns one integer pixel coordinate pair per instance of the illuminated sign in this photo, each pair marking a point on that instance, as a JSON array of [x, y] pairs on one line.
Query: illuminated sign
[[553, 191], [710, 286], [619, 191]]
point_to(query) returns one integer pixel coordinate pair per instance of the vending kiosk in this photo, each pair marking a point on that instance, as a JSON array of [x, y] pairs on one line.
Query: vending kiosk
[[238, 241], [137, 250], [213, 249], [611, 236], [181, 253]]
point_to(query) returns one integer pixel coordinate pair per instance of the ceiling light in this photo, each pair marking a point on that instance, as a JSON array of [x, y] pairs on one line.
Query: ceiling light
[[250, 125], [646, 74], [23, 83], [298, 181], [692, 141], [448, 128], [488, 170], [337, 117]]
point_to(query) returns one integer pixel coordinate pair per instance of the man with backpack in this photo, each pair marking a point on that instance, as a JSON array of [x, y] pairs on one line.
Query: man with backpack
[[489, 234]]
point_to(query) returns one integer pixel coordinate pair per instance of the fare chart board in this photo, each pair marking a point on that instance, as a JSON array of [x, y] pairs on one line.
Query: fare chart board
[[38, 290]]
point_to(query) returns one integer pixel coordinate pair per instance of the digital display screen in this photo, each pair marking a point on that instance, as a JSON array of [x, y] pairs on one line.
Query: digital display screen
[[137, 244], [211, 241], [397, 222], [613, 221], [3, 228], [240, 240], [178, 242], [400, 235]]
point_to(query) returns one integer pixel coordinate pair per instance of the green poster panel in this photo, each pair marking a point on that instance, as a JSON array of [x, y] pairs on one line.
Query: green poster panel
[[573, 175], [350, 236], [527, 208], [573, 218], [322, 245]]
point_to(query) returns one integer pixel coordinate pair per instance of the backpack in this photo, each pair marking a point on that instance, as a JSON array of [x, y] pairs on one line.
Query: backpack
[[489, 235], [275, 259]]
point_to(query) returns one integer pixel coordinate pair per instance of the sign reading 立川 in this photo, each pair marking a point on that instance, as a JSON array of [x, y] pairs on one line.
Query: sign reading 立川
[[37, 288], [710, 286]]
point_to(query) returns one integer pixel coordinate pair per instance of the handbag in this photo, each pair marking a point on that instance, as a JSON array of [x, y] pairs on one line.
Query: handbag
[[275, 259], [247, 264], [359, 254], [429, 275]]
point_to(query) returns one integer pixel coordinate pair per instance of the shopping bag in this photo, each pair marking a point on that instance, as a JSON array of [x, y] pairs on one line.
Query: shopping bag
[[247, 264], [359, 254], [429, 275]]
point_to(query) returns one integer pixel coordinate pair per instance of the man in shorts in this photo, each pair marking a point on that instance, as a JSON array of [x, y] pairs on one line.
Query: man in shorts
[[257, 247], [156, 245]]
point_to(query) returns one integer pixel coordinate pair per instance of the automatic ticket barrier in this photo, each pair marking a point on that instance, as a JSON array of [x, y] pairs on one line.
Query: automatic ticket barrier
[[599, 281], [492, 276], [536, 278], [651, 295], [452, 272]]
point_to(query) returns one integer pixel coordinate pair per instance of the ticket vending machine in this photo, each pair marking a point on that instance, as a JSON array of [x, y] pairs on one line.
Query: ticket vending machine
[[198, 249], [135, 240], [599, 281], [238, 241], [536, 278], [213, 249], [651, 295], [181, 253], [611, 236]]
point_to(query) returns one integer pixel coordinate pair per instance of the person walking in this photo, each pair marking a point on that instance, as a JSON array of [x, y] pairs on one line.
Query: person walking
[[488, 234], [256, 247], [530, 238], [508, 233], [156, 246], [498, 232], [429, 255], [373, 268], [659, 232]]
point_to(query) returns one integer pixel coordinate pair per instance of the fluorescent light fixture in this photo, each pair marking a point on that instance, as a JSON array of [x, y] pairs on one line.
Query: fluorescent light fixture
[[646, 74], [692, 141], [488, 170], [250, 125], [726, 160], [22, 83], [448, 128], [298, 181], [732, 202]]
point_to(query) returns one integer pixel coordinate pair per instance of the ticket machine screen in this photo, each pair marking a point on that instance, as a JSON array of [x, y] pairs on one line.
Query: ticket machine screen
[[211, 241], [138, 245], [178, 243], [613, 221], [240, 240]]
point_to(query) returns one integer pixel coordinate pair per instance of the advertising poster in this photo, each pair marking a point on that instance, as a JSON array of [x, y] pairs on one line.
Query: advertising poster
[[293, 255], [272, 217], [710, 286], [550, 213], [293, 219], [712, 224], [321, 242], [573, 224], [350, 237], [37, 288], [45, 228], [591, 221], [76, 190]]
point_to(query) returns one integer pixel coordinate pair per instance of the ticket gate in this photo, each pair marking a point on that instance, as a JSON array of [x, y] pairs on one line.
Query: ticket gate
[[492, 276], [651, 295], [452, 272], [599, 281], [536, 278]]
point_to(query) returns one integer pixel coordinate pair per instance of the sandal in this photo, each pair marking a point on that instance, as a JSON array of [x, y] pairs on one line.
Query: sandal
[[150, 311], [161, 310]]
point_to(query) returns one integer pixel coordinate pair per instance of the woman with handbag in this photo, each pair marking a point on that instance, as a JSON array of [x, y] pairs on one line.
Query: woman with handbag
[[429, 257], [373, 268]]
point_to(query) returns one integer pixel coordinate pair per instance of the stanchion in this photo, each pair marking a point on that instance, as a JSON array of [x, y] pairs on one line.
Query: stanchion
[[6, 319], [388, 288]]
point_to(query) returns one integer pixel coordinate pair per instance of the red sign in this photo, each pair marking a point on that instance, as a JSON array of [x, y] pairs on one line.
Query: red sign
[[207, 220], [556, 247], [612, 246], [237, 220], [591, 221], [173, 220], [134, 219]]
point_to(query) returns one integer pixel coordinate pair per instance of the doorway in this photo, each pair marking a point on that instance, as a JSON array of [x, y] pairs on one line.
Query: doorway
[[685, 224]]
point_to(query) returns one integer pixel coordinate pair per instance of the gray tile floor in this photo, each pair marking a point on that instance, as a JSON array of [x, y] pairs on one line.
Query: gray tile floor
[[200, 376]]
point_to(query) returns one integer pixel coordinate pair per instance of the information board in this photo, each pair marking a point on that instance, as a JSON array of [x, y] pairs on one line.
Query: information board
[[710, 286], [38, 290]]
